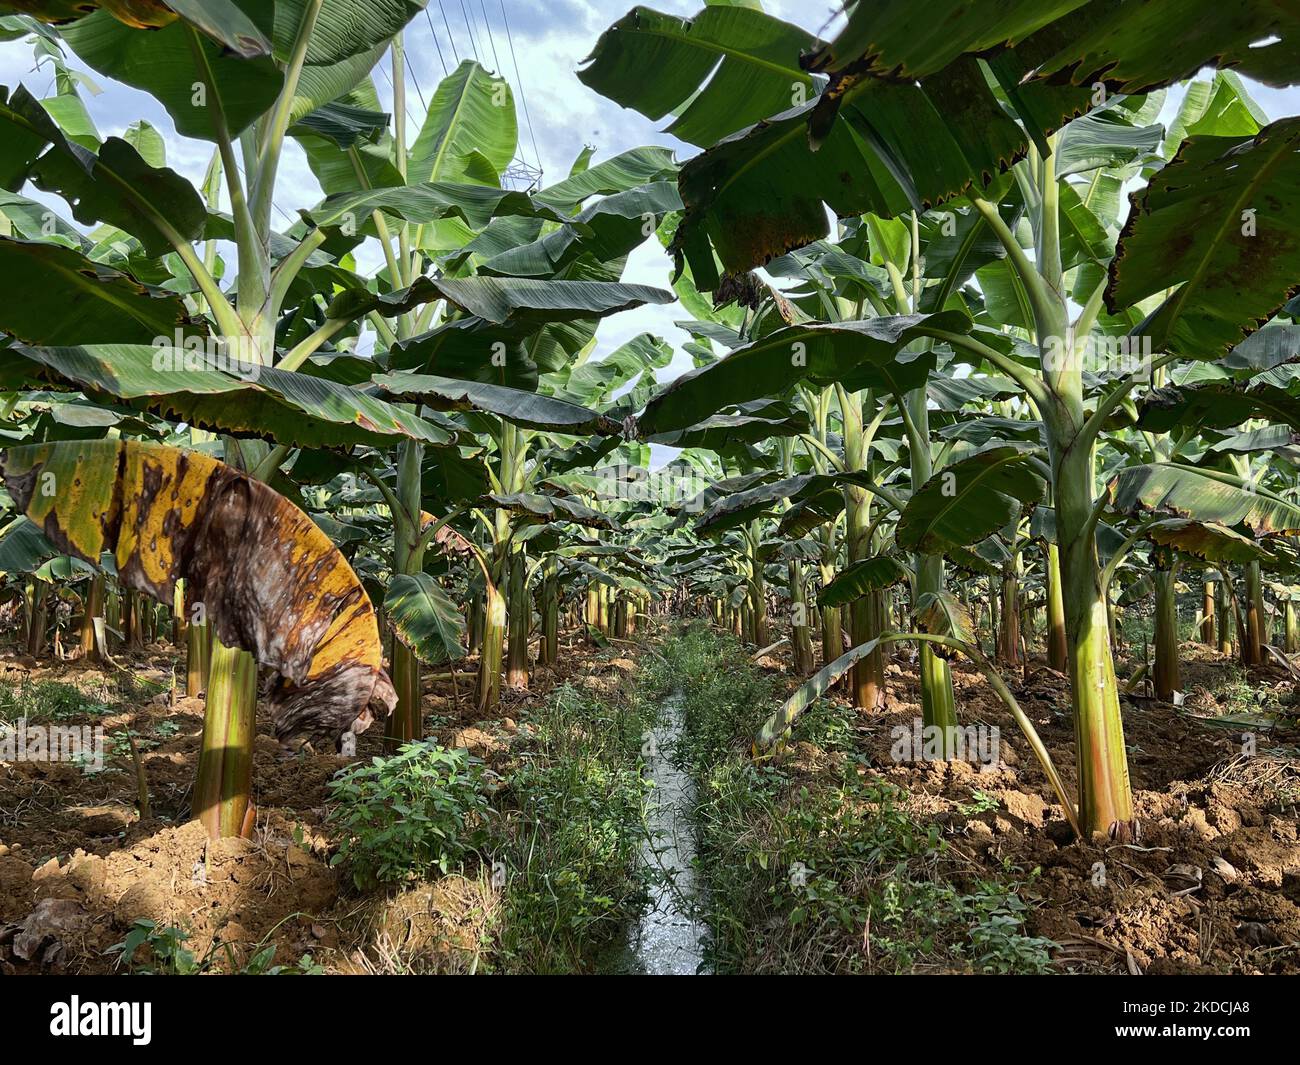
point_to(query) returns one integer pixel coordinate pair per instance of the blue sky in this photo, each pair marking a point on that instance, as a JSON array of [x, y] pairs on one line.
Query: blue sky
[[550, 39]]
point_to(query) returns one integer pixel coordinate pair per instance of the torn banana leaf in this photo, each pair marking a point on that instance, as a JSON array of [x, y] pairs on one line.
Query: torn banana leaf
[[270, 582]]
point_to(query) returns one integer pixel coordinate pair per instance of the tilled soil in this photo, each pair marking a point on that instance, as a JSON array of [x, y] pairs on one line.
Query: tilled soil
[[1211, 885], [79, 866], [1213, 882]]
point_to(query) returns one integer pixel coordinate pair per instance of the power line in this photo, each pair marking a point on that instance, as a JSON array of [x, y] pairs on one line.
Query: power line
[[450, 36], [407, 108], [436, 43], [415, 80], [523, 99], [469, 32], [491, 39]]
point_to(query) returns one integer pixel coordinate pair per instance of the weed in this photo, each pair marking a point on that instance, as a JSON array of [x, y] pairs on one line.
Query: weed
[[404, 816], [826, 871], [47, 700], [569, 849], [168, 955]]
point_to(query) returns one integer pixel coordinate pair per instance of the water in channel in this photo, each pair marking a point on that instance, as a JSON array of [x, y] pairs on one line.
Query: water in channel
[[667, 940]]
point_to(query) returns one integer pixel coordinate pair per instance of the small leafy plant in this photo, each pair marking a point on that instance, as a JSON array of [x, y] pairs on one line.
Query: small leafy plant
[[403, 817], [168, 955]]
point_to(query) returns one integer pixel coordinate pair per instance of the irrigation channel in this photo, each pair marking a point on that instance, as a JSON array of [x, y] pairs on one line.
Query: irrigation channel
[[667, 940]]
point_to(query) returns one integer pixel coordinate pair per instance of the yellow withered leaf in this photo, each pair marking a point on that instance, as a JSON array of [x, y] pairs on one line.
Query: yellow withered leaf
[[268, 579], [447, 538], [141, 14]]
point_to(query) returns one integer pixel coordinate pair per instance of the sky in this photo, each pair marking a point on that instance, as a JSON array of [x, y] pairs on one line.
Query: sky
[[558, 115], [550, 39]]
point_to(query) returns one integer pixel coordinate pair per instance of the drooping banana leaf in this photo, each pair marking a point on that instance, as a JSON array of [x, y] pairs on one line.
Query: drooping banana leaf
[[1217, 223], [270, 582], [287, 407], [56, 296], [861, 577], [822, 353], [115, 185], [1202, 495], [528, 409], [718, 72], [425, 618], [970, 499]]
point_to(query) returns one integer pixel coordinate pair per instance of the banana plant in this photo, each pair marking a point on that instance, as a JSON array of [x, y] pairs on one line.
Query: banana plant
[[997, 92], [283, 380], [274, 587]]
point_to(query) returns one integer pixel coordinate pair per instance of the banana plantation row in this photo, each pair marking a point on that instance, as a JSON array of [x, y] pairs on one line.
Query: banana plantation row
[[941, 361]]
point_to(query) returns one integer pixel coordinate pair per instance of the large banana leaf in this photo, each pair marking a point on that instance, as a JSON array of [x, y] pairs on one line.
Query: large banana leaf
[[505, 299], [723, 431], [222, 20], [894, 147], [33, 220], [528, 409], [1134, 48], [545, 509], [55, 295], [1106, 138], [471, 120], [463, 348], [886, 38], [718, 72], [1216, 405], [619, 173], [969, 500], [1218, 223], [817, 352], [115, 186], [1218, 108], [810, 691], [1202, 495], [226, 22], [147, 13], [165, 64], [344, 29], [1205, 540], [1265, 349], [1282, 440], [476, 205], [23, 547], [594, 381], [270, 582], [347, 39], [732, 504], [347, 135], [289, 408], [425, 618], [882, 141], [607, 230], [944, 615]]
